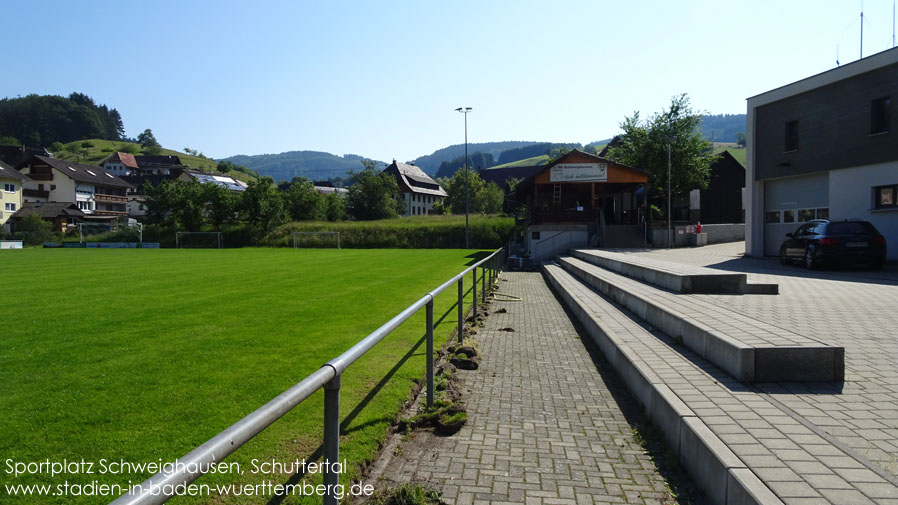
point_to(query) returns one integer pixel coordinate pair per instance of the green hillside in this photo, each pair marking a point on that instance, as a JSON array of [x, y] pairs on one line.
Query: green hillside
[[735, 150], [527, 162], [93, 151]]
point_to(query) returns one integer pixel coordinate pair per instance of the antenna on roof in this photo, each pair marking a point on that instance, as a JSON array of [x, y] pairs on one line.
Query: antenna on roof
[[862, 30]]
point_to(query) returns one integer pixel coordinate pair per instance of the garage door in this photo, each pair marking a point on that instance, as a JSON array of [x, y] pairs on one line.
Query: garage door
[[791, 201]]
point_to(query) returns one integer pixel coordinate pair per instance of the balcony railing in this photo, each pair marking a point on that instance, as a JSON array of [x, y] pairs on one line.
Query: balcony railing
[[109, 213], [40, 177], [100, 197], [35, 193]]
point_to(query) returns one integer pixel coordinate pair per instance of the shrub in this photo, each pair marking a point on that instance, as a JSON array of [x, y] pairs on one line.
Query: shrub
[[87, 144], [127, 148], [33, 230]]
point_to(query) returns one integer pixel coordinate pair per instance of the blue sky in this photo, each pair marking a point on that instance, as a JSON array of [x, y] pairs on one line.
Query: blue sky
[[381, 79]]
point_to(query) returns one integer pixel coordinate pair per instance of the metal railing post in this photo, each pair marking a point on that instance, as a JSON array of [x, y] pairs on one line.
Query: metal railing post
[[483, 284], [474, 287], [430, 353], [331, 438], [461, 310]]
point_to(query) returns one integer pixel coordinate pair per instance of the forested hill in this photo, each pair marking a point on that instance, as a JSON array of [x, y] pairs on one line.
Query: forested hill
[[723, 127], [41, 120], [431, 163], [314, 165]]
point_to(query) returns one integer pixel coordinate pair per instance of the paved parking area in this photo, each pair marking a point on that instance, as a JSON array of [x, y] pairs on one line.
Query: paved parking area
[[852, 307]]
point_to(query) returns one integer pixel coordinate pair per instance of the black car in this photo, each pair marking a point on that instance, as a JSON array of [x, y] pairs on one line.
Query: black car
[[821, 242]]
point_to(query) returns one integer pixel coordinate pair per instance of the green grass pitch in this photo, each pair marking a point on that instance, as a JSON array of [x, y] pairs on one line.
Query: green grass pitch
[[145, 354]]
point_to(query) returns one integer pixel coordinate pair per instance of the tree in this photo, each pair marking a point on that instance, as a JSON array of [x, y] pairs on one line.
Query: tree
[[303, 201], [334, 207], [372, 194], [147, 139], [189, 209], [263, 204], [160, 199], [222, 204], [644, 145], [492, 197], [456, 191]]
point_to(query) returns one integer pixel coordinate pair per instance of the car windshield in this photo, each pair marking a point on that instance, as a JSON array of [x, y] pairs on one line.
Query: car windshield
[[850, 228]]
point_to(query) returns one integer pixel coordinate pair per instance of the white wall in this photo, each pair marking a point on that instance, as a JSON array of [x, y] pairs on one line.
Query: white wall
[[851, 197]]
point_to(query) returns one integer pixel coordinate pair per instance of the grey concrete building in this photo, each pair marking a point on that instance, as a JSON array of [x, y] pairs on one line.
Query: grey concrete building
[[824, 147]]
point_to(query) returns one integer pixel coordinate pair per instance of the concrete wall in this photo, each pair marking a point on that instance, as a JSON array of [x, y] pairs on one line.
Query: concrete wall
[[554, 239], [718, 233]]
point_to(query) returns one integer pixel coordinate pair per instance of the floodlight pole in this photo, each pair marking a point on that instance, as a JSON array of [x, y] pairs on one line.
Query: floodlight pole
[[465, 111]]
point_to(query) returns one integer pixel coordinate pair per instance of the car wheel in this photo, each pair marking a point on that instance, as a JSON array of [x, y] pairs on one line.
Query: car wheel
[[809, 261], [784, 258]]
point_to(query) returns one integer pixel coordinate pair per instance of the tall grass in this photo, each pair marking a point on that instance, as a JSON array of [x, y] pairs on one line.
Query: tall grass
[[418, 232]]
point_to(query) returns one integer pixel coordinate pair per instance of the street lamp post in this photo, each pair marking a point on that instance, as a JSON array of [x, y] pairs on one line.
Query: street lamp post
[[668, 193], [465, 111]]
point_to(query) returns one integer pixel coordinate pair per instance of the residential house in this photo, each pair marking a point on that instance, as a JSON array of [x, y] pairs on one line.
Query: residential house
[[121, 164], [158, 165], [419, 191], [824, 147], [61, 214], [11, 181], [13, 155], [96, 192]]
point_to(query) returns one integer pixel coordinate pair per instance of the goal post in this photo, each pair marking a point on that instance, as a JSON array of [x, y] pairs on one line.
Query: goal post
[[199, 239], [303, 239]]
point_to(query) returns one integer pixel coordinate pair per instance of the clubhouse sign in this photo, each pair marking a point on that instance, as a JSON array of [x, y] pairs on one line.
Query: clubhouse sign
[[579, 172]]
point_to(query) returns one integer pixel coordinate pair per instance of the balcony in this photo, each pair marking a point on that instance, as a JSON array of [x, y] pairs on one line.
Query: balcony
[[35, 193], [99, 197], [40, 177], [109, 213]]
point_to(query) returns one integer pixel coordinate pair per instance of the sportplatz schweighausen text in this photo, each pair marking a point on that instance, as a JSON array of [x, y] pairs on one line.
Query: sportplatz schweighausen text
[[122, 467]]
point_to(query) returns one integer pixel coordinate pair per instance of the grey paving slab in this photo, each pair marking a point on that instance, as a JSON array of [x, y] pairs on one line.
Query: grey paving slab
[[852, 307], [755, 432], [675, 276], [543, 426]]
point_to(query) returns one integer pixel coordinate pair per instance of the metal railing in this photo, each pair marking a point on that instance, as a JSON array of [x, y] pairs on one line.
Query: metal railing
[[161, 487]]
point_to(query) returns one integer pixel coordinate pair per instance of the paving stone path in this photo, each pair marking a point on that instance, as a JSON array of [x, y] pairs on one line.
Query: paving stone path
[[544, 426]]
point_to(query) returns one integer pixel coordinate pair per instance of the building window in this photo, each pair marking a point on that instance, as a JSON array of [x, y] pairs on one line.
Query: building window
[[805, 215], [9, 188], [788, 216], [10, 207], [823, 213], [791, 136], [772, 217], [879, 115], [885, 197]]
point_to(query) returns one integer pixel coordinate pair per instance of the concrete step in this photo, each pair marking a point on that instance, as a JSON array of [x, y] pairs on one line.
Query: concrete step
[[749, 349], [739, 446], [674, 276]]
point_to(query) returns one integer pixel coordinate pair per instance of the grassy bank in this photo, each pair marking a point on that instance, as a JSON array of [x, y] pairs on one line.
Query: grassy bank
[[416, 232]]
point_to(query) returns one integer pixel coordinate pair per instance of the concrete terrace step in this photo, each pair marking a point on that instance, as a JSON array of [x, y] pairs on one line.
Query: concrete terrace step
[[674, 276], [749, 349], [734, 439]]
